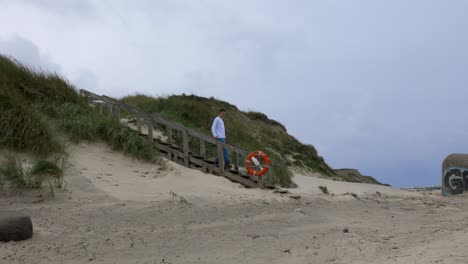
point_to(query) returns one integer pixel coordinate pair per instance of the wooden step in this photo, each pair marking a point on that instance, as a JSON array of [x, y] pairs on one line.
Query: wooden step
[[233, 171], [241, 180]]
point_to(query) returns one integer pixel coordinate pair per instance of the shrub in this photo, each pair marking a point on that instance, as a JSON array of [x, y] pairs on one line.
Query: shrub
[[324, 189], [81, 122], [280, 174], [22, 128], [17, 177], [128, 140], [44, 167]]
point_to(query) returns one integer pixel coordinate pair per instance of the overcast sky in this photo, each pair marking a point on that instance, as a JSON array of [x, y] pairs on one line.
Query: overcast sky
[[376, 85]]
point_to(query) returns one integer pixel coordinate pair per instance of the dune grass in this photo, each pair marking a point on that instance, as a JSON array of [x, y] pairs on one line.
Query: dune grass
[[45, 167], [35, 108], [249, 130], [324, 189], [17, 177], [22, 128]]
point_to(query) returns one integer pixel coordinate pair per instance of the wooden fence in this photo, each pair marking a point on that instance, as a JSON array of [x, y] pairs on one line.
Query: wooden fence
[[180, 153]]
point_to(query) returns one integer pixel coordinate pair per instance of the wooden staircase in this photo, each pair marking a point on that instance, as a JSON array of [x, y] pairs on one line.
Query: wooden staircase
[[180, 153]]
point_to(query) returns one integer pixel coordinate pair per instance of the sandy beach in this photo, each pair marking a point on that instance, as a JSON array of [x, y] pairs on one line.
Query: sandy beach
[[118, 210]]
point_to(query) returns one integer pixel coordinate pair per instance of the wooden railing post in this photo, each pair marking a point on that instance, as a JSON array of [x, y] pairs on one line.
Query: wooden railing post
[[101, 108], [185, 144], [236, 161], [202, 148], [169, 134], [149, 123], [220, 158], [138, 121], [109, 107], [260, 182], [184, 134], [117, 113]]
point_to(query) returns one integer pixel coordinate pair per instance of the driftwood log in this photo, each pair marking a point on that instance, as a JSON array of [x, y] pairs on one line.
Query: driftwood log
[[15, 227]]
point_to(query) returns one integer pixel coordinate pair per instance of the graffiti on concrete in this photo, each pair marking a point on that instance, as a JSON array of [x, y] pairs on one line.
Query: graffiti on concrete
[[455, 174], [455, 181]]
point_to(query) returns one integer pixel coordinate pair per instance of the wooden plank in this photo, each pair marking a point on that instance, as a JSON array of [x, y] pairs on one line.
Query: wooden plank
[[260, 182], [117, 113], [168, 123], [202, 148], [240, 180], [138, 121], [185, 146], [109, 107], [214, 169], [163, 147], [236, 161], [197, 161], [220, 158], [149, 123], [212, 140], [175, 125], [90, 94], [125, 106], [169, 134], [183, 153]]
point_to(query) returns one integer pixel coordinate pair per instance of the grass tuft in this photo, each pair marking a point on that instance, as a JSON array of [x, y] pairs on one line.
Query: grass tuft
[[324, 189], [280, 175], [18, 177], [44, 167]]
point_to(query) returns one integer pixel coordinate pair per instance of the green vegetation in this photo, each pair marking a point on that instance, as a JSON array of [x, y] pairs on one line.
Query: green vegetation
[[279, 174], [324, 189], [249, 130], [18, 177], [352, 194], [36, 108], [353, 175], [45, 167]]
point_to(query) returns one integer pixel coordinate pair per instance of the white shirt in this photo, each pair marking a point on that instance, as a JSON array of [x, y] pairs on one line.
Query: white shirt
[[218, 128]]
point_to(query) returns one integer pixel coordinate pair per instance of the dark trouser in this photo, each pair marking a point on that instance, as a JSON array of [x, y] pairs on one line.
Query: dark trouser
[[225, 153]]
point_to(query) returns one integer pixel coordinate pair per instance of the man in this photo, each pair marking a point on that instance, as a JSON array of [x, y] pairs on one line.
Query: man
[[219, 132]]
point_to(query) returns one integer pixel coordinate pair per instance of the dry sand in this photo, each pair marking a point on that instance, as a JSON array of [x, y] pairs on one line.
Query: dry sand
[[119, 210]]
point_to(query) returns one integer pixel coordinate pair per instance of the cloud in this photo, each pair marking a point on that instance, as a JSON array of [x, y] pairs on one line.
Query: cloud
[[85, 79], [26, 52], [69, 7]]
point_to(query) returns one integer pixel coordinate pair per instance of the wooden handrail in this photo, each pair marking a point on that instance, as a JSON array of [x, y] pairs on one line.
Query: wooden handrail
[[154, 119], [174, 125]]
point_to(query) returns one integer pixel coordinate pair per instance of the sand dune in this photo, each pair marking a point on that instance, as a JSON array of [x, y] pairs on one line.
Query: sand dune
[[119, 210]]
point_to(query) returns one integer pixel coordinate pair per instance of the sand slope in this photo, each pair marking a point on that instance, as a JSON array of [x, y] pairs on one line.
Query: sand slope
[[118, 210]]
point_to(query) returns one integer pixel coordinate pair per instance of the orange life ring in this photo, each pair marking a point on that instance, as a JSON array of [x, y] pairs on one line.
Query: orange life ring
[[253, 169]]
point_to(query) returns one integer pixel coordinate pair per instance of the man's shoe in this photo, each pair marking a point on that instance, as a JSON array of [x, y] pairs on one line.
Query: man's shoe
[[228, 166]]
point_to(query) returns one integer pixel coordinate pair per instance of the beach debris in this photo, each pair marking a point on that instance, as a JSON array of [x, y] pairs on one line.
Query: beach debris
[[15, 228], [294, 196], [324, 189], [346, 230]]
